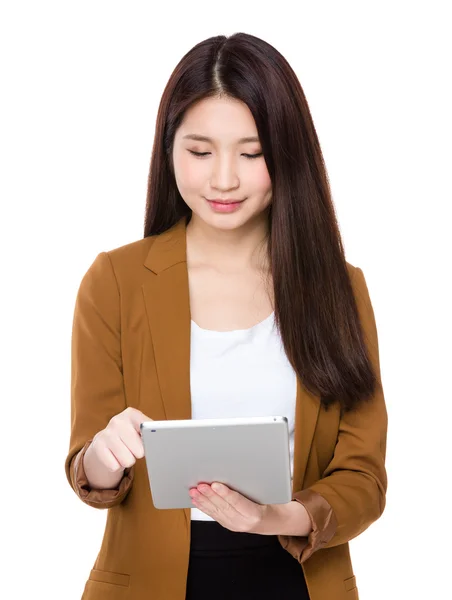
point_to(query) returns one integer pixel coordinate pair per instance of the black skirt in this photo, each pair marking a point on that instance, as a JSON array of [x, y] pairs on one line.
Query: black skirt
[[228, 565]]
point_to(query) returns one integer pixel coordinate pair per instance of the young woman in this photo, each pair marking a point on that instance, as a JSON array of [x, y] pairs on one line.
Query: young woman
[[238, 301]]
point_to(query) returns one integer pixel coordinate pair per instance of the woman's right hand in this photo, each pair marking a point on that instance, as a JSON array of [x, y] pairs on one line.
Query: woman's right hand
[[114, 449]]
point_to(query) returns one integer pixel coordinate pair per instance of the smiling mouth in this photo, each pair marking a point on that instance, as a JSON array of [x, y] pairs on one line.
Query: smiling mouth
[[224, 201]]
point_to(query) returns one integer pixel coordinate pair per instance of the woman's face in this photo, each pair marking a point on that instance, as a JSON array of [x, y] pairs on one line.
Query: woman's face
[[227, 169]]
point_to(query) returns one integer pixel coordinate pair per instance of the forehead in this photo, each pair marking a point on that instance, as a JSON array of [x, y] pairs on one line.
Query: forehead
[[219, 119]]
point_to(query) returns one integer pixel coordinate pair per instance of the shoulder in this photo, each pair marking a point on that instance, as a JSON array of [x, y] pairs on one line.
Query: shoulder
[[358, 282], [131, 255], [352, 270], [118, 266], [357, 279]]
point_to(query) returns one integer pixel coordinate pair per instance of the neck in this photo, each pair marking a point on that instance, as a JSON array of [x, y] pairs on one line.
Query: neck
[[228, 249]]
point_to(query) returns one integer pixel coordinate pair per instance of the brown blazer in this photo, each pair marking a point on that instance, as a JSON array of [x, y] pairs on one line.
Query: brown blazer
[[131, 347]]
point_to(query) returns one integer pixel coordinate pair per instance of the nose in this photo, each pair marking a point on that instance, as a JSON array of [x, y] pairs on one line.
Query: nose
[[224, 174]]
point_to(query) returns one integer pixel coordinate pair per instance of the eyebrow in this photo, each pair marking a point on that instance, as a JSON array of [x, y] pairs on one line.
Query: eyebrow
[[203, 138]]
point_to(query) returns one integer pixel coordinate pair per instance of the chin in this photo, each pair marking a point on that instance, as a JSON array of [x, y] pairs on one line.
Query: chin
[[226, 222]]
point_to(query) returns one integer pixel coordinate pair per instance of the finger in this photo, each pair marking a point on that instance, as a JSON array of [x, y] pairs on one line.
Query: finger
[[108, 459], [201, 502], [136, 417], [240, 503], [216, 507], [132, 440], [118, 449], [217, 502], [125, 430]]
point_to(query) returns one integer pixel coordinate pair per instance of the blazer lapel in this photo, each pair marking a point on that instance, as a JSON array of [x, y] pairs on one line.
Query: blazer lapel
[[167, 299], [307, 409]]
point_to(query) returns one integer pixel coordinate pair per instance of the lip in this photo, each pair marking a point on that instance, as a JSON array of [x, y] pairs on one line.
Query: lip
[[223, 206], [220, 201]]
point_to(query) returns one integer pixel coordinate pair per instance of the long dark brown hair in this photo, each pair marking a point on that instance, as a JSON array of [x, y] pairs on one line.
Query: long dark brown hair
[[315, 309]]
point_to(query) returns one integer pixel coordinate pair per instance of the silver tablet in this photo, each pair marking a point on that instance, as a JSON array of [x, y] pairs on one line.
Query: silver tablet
[[249, 455]]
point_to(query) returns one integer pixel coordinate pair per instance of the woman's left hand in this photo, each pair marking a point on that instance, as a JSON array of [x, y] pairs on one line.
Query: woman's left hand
[[237, 513], [229, 508]]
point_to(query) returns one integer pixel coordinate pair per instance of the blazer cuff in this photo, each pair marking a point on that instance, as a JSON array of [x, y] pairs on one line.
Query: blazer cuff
[[324, 525], [99, 498]]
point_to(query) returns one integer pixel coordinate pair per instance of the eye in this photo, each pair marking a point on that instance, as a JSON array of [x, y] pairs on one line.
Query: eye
[[202, 154], [198, 153]]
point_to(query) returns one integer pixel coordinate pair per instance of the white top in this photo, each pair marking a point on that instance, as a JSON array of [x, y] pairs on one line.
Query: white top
[[241, 373]]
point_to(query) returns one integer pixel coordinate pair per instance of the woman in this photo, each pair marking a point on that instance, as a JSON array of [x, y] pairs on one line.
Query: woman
[[238, 301]]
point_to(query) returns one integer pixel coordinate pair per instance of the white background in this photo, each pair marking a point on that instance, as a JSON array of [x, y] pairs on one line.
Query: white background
[[81, 83]]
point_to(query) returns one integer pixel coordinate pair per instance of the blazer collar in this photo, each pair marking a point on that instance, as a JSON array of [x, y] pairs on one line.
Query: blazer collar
[[167, 300], [168, 249]]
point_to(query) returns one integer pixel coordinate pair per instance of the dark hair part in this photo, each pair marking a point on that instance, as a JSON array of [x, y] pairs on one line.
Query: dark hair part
[[315, 308]]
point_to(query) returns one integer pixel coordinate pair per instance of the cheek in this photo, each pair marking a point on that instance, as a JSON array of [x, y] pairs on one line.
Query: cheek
[[189, 175], [261, 179]]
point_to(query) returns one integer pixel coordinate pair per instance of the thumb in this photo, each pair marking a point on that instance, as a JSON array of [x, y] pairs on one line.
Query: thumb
[[137, 417]]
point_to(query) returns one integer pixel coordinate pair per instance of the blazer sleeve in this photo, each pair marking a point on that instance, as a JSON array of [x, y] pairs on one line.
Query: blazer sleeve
[[97, 387], [352, 492]]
